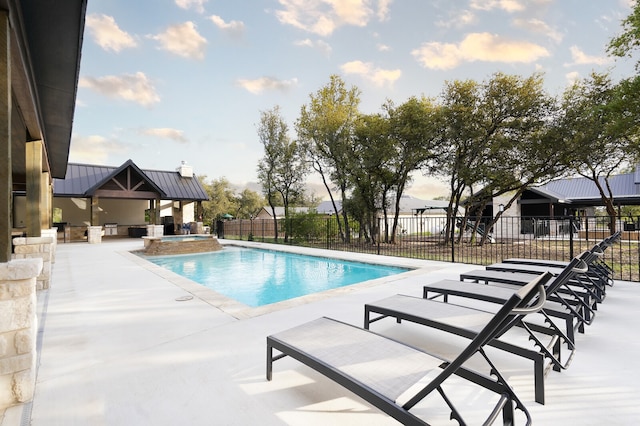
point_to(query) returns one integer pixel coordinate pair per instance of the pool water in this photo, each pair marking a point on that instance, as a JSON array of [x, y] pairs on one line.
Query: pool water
[[260, 277]]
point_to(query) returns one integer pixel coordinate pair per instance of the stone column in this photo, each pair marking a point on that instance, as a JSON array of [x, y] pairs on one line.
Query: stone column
[[36, 248], [18, 330], [94, 234], [155, 230]]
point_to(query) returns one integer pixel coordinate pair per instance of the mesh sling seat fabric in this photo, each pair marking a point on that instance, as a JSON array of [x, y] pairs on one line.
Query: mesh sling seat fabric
[[390, 375], [467, 322]]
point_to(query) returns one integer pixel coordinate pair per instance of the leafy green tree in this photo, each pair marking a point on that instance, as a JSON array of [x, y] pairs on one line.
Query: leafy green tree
[[414, 131], [601, 147], [496, 140], [221, 199], [370, 174], [523, 148], [628, 41], [249, 204], [325, 128], [282, 169]]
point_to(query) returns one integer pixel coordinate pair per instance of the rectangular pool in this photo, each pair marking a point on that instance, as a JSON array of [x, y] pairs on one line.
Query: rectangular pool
[[258, 277]]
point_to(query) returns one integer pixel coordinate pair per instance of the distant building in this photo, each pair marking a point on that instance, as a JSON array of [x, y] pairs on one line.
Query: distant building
[[119, 198]]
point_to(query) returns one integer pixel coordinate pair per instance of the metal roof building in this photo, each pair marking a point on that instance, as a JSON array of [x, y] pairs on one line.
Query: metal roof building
[[128, 181], [583, 192]]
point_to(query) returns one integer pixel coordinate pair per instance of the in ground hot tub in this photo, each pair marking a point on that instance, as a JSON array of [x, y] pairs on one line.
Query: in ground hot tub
[[180, 244]]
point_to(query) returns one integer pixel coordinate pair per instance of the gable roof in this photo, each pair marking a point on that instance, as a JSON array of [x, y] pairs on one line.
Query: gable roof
[[280, 211], [410, 204], [625, 188], [85, 180]]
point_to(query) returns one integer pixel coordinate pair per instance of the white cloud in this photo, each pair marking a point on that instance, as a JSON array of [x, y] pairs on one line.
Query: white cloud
[[166, 133], [322, 17], [539, 27], [320, 45], [107, 34], [383, 9], [383, 47], [572, 77], [477, 47], [130, 87], [198, 5], [261, 84], [378, 76], [234, 29], [182, 40], [506, 5], [581, 58], [93, 149], [461, 19]]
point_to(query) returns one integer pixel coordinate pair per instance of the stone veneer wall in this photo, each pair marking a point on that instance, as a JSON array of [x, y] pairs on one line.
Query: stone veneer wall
[[18, 330], [155, 230], [36, 248], [94, 234], [157, 247]]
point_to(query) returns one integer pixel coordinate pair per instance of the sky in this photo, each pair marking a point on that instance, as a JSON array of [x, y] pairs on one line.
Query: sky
[[166, 81]]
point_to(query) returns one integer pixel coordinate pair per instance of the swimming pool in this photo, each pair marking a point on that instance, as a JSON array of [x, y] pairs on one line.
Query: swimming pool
[[258, 277]]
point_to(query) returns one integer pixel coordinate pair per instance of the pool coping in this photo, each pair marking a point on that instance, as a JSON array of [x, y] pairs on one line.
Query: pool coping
[[241, 311]]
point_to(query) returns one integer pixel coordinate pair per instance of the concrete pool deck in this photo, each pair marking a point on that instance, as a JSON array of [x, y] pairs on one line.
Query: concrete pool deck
[[123, 343]]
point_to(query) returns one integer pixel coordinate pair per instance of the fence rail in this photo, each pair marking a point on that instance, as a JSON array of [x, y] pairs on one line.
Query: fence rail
[[423, 237]]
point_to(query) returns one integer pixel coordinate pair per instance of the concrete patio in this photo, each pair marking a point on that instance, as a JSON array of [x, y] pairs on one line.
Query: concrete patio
[[120, 345]]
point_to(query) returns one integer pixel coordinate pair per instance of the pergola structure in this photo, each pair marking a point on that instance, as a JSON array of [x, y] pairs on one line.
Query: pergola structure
[[114, 194], [40, 47]]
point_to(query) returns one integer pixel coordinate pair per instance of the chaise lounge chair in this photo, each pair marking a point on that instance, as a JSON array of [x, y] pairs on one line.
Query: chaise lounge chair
[[391, 375], [566, 307], [467, 322], [597, 267]]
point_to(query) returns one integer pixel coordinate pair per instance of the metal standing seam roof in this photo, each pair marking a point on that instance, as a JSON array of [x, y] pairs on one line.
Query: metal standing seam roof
[[623, 186], [81, 179]]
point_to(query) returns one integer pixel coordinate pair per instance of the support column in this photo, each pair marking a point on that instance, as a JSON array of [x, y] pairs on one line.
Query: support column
[[156, 212], [33, 159], [95, 211], [6, 180], [179, 218], [45, 201], [18, 331]]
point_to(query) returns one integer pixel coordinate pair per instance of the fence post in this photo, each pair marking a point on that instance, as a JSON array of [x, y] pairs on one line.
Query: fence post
[[453, 236], [571, 224], [378, 239]]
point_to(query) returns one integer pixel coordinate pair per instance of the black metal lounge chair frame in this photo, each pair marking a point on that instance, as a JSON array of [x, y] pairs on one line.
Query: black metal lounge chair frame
[[528, 300], [381, 309], [570, 310]]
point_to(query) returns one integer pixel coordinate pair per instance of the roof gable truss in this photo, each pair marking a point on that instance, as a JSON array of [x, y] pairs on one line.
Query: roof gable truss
[[127, 182]]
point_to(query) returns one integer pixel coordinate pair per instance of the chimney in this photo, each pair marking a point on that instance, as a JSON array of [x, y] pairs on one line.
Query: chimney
[[185, 170]]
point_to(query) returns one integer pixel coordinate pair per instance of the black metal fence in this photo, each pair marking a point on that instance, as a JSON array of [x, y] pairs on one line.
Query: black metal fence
[[424, 237]]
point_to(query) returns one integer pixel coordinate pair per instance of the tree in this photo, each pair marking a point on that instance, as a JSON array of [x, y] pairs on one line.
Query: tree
[[627, 42], [370, 174], [518, 118], [601, 147], [221, 199], [249, 204], [414, 131], [460, 149], [325, 128], [282, 169], [495, 139]]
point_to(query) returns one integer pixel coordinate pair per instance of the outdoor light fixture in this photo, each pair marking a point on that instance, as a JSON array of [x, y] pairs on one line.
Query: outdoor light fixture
[[501, 207]]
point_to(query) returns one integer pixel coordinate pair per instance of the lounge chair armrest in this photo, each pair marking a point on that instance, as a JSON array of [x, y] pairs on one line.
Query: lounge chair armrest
[[535, 308]]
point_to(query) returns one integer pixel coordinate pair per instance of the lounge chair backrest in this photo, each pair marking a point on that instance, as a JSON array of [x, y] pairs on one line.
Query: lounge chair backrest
[[528, 299], [578, 265]]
